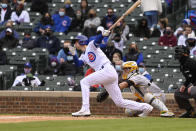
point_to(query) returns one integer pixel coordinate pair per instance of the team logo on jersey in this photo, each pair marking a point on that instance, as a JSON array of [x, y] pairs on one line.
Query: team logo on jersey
[[64, 23], [91, 56]]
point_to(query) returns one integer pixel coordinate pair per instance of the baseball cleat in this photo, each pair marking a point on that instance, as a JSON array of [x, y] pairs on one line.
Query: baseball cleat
[[167, 114], [81, 113], [146, 111]]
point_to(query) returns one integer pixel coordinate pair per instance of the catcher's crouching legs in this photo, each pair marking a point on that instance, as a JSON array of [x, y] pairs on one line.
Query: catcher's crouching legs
[[115, 94]]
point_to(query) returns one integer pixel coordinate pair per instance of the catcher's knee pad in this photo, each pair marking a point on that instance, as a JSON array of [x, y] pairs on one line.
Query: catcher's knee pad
[[148, 98]]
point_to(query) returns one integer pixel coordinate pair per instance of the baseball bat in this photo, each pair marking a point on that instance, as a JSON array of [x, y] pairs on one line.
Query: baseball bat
[[131, 9]]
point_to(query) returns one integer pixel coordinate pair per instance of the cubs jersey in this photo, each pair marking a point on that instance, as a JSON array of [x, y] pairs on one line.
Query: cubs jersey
[[144, 85], [94, 56]]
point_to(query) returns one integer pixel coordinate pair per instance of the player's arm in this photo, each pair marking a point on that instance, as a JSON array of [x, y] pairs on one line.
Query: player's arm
[[99, 38], [78, 62], [126, 84]]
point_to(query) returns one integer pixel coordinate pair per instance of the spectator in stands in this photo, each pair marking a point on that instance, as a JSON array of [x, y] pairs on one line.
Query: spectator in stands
[[142, 70], [5, 11], [20, 15], [65, 60], [53, 66], [77, 23], [49, 41], [2, 56], [142, 29], [110, 50], [27, 41], [27, 79], [45, 20], [61, 21], [14, 4], [168, 39], [191, 44], [123, 29], [84, 9], [151, 9], [133, 54], [69, 10], [182, 38], [179, 31], [109, 19], [9, 24], [159, 29], [117, 62], [9, 41], [118, 41], [91, 24], [39, 6]]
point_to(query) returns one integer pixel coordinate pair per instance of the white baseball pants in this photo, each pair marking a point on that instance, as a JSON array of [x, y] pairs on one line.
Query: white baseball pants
[[109, 78]]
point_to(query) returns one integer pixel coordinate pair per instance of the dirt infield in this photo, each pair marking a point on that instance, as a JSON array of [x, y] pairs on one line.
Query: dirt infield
[[27, 118]]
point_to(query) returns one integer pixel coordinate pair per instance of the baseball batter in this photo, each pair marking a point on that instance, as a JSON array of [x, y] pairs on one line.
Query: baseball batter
[[104, 74], [143, 88]]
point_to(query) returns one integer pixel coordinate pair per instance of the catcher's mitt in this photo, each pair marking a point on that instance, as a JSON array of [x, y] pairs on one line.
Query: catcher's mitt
[[102, 96]]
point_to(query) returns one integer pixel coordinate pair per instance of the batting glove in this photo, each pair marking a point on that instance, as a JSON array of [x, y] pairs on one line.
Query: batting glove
[[106, 33]]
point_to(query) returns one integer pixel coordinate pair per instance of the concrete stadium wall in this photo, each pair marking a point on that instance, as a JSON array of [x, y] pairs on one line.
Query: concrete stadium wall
[[26, 102]]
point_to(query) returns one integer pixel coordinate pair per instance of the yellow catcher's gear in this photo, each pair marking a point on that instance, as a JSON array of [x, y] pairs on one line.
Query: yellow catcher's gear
[[129, 68]]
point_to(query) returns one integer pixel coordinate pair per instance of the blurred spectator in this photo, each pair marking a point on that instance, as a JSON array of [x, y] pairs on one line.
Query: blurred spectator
[[179, 31], [27, 79], [151, 9], [9, 41], [77, 23], [117, 62], [49, 41], [110, 50], [65, 60], [123, 29], [27, 41], [9, 24], [118, 41], [133, 54], [61, 21], [45, 20], [159, 29], [109, 19], [39, 6], [182, 38], [53, 66], [168, 39], [20, 15], [142, 70], [69, 10], [142, 29], [84, 9], [5, 11], [2, 56], [191, 44], [91, 24]]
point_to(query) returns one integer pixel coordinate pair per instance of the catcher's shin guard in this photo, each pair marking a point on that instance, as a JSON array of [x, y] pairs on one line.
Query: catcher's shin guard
[[152, 100]]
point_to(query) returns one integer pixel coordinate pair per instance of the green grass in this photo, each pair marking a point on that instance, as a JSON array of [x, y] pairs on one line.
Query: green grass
[[125, 124]]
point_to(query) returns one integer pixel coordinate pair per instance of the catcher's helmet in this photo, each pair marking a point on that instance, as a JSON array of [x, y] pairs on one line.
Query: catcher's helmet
[[132, 66], [180, 51], [82, 39]]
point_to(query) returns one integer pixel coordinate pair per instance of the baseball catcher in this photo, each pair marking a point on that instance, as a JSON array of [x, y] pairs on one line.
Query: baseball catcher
[[144, 89]]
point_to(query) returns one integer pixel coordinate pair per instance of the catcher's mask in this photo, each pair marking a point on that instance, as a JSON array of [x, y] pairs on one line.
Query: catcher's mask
[[129, 68], [181, 51]]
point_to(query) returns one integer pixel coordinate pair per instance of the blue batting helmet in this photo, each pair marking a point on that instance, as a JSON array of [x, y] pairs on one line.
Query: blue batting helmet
[[83, 40]]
